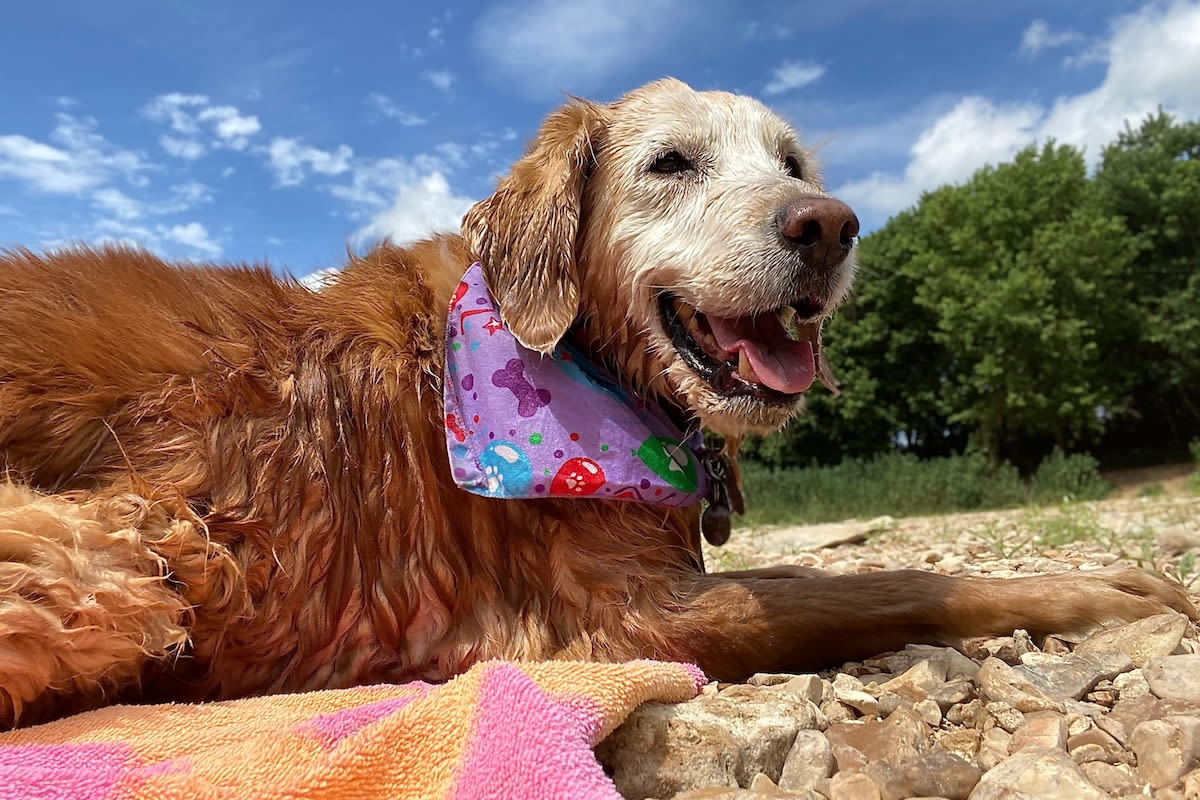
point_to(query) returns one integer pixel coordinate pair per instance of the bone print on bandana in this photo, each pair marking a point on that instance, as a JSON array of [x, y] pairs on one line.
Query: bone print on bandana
[[522, 425]]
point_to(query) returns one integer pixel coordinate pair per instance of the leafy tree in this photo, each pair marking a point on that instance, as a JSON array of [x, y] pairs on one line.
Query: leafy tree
[[1150, 178]]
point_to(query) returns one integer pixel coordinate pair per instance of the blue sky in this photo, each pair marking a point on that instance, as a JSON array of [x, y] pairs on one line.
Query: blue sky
[[285, 131]]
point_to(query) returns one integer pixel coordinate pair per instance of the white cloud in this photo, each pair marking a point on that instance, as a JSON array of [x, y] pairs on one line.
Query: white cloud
[[191, 115], [319, 279], [78, 160], [1038, 37], [192, 236], [188, 149], [441, 79], [427, 205], [401, 199], [384, 105], [117, 202], [791, 75], [231, 128], [172, 109], [184, 197], [437, 35], [289, 159], [1153, 59], [549, 46]]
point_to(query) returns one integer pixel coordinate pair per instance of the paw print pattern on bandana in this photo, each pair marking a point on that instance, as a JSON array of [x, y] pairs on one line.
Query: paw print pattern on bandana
[[506, 469], [512, 377], [578, 477]]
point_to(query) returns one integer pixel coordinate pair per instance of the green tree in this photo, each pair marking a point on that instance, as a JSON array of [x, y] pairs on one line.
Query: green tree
[[1150, 178]]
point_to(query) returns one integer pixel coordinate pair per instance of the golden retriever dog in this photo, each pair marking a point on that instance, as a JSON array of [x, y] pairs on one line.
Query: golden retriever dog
[[220, 483]]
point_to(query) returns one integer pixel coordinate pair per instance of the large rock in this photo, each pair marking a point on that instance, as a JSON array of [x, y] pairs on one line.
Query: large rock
[[1175, 678], [899, 739], [1000, 682], [1167, 749], [1047, 774], [809, 762], [937, 774], [1142, 640], [1073, 675], [662, 750]]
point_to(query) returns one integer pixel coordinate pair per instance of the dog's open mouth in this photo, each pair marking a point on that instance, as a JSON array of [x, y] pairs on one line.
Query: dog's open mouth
[[773, 356]]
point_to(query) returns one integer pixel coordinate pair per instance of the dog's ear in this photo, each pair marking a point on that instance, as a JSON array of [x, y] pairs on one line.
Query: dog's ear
[[524, 234]]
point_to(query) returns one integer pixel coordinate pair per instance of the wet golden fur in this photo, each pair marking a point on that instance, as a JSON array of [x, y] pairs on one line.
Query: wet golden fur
[[222, 484]]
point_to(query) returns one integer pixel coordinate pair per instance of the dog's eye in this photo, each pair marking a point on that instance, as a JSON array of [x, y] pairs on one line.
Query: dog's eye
[[794, 167], [672, 163]]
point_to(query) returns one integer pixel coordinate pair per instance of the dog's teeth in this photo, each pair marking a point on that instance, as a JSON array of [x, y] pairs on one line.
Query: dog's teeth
[[745, 370], [683, 312], [786, 315]]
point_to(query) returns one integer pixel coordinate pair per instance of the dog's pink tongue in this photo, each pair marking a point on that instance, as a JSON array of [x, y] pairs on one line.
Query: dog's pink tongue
[[782, 363]]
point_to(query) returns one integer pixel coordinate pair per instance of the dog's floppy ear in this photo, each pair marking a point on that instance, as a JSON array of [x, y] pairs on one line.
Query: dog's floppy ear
[[524, 234]]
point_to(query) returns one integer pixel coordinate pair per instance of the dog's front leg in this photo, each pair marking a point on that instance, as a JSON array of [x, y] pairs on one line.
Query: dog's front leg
[[736, 625]]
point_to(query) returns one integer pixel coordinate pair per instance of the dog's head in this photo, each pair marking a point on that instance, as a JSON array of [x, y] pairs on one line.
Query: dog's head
[[690, 230]]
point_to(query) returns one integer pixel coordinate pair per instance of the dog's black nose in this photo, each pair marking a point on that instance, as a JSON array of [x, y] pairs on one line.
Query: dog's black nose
[[821, 228]]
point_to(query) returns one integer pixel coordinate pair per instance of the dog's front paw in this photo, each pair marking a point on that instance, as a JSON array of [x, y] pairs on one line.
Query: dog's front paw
[[1127, 594]]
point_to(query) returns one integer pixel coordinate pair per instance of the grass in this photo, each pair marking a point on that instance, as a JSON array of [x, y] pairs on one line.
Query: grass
[[902, 485]]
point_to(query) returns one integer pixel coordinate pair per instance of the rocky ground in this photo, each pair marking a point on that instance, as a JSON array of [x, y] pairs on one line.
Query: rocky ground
[[1116, 714]]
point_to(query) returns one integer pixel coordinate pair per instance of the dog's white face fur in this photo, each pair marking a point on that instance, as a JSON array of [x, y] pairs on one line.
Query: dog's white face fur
[[677, 211]]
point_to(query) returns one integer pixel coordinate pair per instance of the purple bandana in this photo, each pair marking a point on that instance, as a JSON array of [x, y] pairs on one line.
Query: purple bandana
[[523, 425]]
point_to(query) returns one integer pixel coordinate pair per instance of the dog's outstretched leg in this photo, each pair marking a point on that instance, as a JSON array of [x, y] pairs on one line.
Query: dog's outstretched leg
[[84, 601], [735, 625]]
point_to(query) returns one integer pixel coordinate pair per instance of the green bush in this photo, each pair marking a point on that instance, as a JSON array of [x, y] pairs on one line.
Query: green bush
[[900, 484], [894, 484], [1062, 478]]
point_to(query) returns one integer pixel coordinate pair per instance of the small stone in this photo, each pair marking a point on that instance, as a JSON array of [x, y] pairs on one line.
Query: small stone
[[1142, 640], [1131, 684], [810, 687], [888, 702], [929, 712], [956, 690], [973, 714], [1072, 675], [1083, 746], [1006, 716], [836, 711], [962, 743], [1086, 753], [852, 786], [1167, 749], [999, 681], [862, 702], [1175, 678], [1047, 774], [1044, 729], [1077, 723], [769, 678], [663, 749], [1116, 781], [898, 739], [808, 762], [766, 787], [956, 664], [918, 681], [1127, 714], [936, 774], [993, 748]]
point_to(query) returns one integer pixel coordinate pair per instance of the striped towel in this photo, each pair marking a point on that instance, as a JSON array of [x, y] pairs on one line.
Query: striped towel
[[502, 730]]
